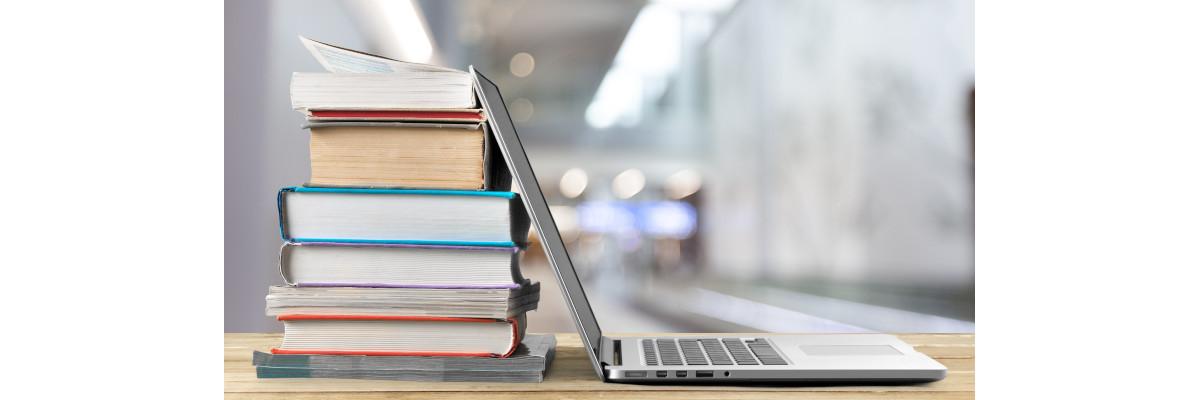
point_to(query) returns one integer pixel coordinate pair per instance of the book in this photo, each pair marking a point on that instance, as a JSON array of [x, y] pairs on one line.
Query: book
[[377, 335], [465, 303], [399, 265], [399, 154], [528, 363], [402, 375], [402, 90], [361, 81], [453, 116], [402, 216]]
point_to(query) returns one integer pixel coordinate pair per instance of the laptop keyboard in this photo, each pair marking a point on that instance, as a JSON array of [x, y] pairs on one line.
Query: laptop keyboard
[[727, 351]]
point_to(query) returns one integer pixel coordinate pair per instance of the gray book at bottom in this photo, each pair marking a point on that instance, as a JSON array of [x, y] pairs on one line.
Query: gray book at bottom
[[401, 375], [527, 364]]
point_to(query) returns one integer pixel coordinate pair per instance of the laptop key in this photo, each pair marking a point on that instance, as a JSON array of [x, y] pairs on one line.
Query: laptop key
[[739, 352], [668, 352], [716, 352], [765, 353], [649, 353], [692, 353]]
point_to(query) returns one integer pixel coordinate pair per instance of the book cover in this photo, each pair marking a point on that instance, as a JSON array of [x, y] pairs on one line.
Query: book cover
[[517, 231]]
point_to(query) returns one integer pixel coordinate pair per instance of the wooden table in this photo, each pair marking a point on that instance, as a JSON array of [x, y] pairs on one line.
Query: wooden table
[[572, 377]]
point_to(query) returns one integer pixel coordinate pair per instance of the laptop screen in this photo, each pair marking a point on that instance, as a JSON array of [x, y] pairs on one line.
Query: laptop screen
[[505, 134]]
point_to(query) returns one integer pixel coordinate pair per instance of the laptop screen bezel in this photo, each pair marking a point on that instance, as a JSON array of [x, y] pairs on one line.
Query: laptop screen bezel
[[505, 134]]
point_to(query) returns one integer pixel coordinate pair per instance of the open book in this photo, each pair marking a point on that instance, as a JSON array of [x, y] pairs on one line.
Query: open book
[[342, 60], [359, 82]]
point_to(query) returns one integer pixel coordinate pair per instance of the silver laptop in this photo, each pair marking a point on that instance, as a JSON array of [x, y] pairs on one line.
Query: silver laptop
[[700, 359]]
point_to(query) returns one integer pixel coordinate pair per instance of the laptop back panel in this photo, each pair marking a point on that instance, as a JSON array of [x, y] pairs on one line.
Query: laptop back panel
[[505, 133]]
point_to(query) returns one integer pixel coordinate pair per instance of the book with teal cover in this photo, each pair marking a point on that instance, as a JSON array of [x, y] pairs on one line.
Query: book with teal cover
[[519, 220]]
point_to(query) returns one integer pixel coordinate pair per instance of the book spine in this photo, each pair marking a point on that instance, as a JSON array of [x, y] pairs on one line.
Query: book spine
[[285, 252], [517, 335], [282, 209], [519, 222], [496, 173]]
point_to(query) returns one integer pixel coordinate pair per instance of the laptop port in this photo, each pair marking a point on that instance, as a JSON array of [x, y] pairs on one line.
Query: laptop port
[[681, 374], [660, 374], [704, 374], [635, 374]]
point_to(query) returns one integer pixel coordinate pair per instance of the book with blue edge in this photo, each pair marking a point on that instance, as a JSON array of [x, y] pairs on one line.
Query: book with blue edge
[[402, 216]]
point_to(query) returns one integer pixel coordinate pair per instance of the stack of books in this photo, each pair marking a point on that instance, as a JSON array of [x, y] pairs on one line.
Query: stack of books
[[401, 253]]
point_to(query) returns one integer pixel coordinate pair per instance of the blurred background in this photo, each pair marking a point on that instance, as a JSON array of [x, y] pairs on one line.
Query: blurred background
[[714, 166]]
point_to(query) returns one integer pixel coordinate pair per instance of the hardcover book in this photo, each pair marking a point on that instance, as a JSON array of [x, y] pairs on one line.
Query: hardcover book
[[401, 154], [378, 335], [399, 265], [402, 216]]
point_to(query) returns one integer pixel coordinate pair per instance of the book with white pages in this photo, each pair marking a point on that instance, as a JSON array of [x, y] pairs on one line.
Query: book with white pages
[[361, 81], [402, 216], [528, 363], [407, 335], [465, 303], [399, 265]]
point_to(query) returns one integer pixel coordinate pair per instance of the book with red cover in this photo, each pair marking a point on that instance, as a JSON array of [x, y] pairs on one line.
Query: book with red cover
[[464, 116], [369, 335]]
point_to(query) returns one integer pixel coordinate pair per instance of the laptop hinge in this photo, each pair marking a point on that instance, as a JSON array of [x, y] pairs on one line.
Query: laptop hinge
[[610, 351]]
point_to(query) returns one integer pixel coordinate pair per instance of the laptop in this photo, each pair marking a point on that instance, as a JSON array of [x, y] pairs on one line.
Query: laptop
[[696, 359]]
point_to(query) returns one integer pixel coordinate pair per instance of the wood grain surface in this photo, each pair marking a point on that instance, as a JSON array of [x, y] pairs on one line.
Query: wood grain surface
[[572, 377]]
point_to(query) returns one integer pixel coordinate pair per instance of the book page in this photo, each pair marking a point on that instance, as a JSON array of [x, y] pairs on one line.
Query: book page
[[337, 59]]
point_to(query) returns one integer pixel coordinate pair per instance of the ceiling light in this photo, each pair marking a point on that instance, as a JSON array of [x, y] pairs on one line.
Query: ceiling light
[[683, 184], [573, 183], [407, 24], [566, 219], [650, 53], [521, 65], [521, 109], [628, 183]]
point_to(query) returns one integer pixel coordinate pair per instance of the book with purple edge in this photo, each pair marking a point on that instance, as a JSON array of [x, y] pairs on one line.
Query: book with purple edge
[[325, 264]]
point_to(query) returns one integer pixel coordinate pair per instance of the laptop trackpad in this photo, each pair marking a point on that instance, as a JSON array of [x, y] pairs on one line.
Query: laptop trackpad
[[851, 350]]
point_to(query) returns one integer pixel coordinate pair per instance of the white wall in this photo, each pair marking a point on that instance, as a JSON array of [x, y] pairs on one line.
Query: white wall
[[265, 149], [840, 141]]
